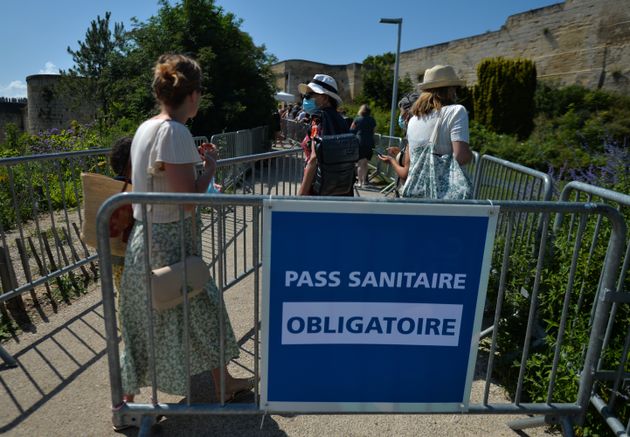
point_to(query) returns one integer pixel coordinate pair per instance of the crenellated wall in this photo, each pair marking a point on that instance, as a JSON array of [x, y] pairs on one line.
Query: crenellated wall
[[12, 110], [585, 42], [47, 106]]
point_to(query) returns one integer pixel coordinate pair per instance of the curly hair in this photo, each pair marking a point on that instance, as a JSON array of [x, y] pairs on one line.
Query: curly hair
[[119, 157], [175, 76]]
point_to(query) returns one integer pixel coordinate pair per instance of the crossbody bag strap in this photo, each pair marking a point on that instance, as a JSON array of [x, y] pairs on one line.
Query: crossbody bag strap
[[150, 207], [433, 139]]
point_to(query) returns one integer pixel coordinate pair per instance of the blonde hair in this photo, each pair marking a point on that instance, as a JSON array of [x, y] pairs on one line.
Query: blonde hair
[[175, 77], [434, 99], [364, 110]]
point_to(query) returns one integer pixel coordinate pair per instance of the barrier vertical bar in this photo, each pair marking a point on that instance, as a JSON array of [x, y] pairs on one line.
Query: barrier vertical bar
[[603, 304], [256, 212], [532, 311], [221, 254], [499, 307]]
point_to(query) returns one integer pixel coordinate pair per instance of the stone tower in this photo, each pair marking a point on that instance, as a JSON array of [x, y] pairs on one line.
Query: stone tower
[[49, 107]]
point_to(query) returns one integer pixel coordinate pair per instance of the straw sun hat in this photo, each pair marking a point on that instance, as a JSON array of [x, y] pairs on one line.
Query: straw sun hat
[[440, 76], [321, 84]]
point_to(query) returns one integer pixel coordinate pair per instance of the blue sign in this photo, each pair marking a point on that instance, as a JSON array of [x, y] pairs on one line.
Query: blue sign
[[372, 307]]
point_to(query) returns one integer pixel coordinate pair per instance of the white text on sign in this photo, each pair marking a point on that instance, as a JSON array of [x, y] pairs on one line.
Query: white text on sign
[[322, 278], [371, 323]]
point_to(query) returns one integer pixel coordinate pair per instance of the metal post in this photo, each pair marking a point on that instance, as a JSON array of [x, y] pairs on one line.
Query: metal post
[[397, 21]]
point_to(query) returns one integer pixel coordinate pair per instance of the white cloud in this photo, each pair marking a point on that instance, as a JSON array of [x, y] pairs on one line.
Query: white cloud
[[49, 68], [16, 88]]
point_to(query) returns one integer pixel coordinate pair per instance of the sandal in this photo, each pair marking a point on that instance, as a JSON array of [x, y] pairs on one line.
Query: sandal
[[249, 384]]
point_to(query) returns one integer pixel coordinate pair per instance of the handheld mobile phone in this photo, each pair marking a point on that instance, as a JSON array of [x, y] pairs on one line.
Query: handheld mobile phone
[[380, 151]]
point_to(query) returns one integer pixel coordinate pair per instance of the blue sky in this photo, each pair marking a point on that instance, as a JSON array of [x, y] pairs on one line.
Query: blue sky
[[36, 33]]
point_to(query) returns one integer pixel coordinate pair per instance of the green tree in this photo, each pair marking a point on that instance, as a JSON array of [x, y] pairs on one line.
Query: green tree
[[504, 95], [93, 62], [237, 80], [378, 80]]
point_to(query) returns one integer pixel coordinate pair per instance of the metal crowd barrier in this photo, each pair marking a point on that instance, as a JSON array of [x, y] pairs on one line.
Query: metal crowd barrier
[[498, 179], [381, 169], [276, 173], [40, 230], [612, 386], [566, 412], [42, 248], [293, 130], [200, 140], [242, 142]]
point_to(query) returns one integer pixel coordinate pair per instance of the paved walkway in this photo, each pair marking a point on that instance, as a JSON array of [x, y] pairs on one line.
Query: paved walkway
[[61, 388]]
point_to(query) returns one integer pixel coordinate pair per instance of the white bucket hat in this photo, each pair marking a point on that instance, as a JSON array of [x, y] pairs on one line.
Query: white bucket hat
[[440, 76], [321, 84]]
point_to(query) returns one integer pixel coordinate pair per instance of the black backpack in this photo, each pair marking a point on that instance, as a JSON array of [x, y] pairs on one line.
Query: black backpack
[[337, 156]]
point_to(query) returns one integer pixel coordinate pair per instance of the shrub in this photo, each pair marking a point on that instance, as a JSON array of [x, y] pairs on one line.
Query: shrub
[[42, 181], [615, 174], [504, 95]]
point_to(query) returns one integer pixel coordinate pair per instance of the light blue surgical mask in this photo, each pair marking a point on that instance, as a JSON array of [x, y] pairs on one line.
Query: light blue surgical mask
[[309, 105], [401, 122]]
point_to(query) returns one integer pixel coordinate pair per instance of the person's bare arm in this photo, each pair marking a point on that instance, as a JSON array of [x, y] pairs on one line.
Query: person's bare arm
[[461, 152], [181, 177], [401, 170], [309, 174]]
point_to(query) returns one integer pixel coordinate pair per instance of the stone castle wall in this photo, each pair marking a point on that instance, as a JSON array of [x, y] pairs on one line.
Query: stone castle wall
[[289, 74], [11, 111], [585, 42], [47, 106]]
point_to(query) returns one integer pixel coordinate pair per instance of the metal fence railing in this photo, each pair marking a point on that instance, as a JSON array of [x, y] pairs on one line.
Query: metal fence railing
[[200, 140], [40, 222], [612, 389], [502, 289], [42, 254], [499, 179], [242, 142], [293, 130]]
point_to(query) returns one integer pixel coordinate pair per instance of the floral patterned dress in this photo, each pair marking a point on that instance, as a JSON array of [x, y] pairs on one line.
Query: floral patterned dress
[[169, 327]]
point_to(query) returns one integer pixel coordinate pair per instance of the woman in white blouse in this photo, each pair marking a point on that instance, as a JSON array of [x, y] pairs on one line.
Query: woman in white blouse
[[436, 102], [163, 158]]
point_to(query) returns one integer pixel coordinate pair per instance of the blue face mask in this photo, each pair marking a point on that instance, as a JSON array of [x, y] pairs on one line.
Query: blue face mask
[[401, 122], [309, 105]]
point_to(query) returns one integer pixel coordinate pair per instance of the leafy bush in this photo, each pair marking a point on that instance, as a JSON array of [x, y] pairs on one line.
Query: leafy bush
[[237, 82], [504, 95], [43, 180], [581, 119], [551, 300]]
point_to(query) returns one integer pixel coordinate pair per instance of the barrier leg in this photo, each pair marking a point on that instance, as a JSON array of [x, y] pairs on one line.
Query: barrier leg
[[528, 422], [567, 426], [7, 358], [389, 188], [123, 417], [534, 422], [146, 425]]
